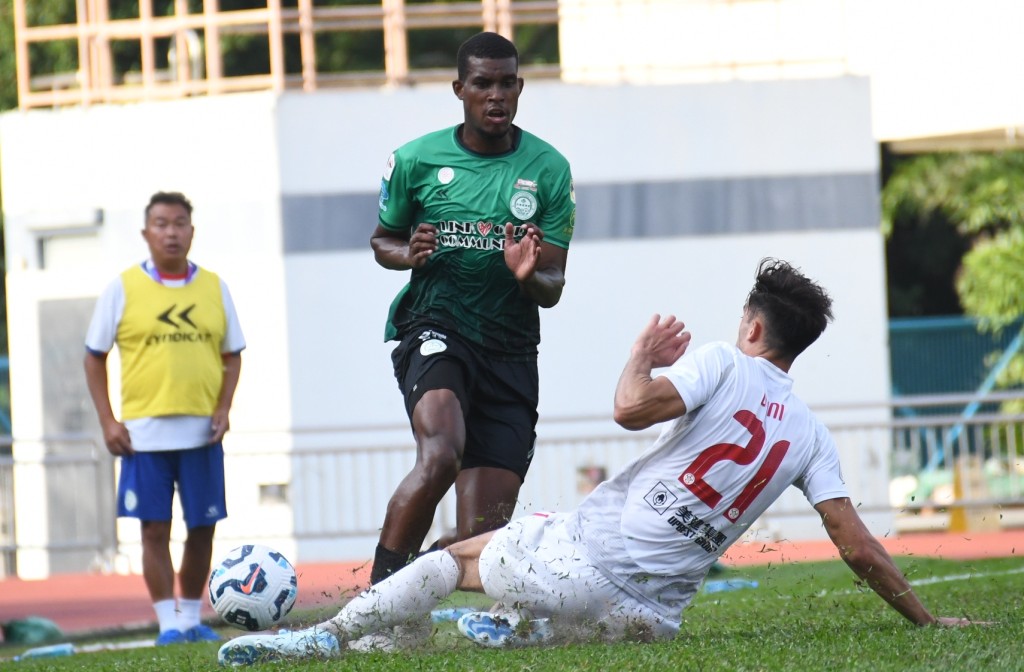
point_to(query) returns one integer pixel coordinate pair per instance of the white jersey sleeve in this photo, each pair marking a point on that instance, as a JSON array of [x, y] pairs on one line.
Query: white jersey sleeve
[[697, 375], [234, 340], [106, 317], [823, 477]]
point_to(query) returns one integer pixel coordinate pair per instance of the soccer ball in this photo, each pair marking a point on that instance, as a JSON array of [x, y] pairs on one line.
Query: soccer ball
[[253, 587]]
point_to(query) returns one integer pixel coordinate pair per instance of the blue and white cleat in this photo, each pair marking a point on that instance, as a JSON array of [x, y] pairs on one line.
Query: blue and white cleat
[[285, 645], [497, 630]]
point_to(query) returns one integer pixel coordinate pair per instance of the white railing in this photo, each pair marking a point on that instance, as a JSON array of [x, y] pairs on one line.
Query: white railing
[[326, 486]]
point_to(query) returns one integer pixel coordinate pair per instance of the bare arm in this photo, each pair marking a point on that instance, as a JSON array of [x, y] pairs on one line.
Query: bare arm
[[115, 434], [538, 266], [640, 400], [871, 562], [402, 251], [219, 423]]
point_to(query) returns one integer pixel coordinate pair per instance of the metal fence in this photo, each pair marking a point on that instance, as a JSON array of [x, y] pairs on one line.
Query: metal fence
[[937, 471]]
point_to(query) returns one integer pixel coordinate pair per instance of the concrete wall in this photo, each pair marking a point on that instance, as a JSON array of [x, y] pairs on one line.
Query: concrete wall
[[681, 189], [936, 67]]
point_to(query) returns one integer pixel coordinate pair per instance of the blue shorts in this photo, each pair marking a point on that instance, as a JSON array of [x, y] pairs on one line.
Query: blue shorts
[[145, 489]]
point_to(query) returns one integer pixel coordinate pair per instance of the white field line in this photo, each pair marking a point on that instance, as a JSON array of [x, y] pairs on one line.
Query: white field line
[[916, 582]]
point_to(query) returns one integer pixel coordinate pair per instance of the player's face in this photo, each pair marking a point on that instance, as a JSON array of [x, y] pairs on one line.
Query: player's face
[[168, 233], [490, 97]]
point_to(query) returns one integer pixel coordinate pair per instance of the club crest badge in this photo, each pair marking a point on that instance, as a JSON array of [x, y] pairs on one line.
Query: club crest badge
[[432, 347], [445, 175], [523, 205], [660, 498]]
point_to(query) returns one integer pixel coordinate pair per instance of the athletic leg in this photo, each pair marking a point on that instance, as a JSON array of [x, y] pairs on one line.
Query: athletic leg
[[486, 499], [408, 595], [440, 433], [157, 568], [500, 437], [201, 489], [195, 562]]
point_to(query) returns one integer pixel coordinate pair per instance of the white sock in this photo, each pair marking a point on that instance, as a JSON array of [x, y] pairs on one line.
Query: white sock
[[188, 613], [407, 594], [166, 614]]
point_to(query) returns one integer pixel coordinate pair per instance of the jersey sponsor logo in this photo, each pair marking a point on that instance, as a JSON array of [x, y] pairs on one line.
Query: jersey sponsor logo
[[686, 523], [660, 498], [382, 201], [389, 168], [486, 236], [445, 175], [572, 191], [428, 334], [528, 185], [165, 316], [523, 205], [183, 318], [179, 337]]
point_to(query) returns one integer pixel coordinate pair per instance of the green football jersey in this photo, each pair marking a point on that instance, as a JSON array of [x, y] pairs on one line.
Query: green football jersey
[[465, 285]]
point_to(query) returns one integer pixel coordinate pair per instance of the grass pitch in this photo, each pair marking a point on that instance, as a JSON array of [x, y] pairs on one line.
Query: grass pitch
[[802, 616]]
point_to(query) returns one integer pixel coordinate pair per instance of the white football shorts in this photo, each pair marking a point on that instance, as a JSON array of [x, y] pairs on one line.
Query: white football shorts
[[533, 566]]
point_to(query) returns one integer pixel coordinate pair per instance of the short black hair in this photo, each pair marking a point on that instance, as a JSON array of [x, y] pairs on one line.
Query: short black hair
[[169, 198], [485, 45], [794, 308]]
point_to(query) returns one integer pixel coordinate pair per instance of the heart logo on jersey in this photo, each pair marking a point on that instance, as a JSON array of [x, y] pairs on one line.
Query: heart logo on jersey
[[484, 227]]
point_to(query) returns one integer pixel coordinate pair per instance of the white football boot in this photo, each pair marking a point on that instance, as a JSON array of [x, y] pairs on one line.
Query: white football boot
[[285, 645]]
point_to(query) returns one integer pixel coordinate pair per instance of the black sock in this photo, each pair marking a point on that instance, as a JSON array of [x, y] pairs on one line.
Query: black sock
[[386, 562]]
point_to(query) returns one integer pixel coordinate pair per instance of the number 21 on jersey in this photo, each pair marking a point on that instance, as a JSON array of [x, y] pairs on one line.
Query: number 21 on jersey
[[693, 476]]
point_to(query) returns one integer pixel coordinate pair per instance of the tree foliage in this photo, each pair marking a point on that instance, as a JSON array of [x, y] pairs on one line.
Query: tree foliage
[[981, 195]]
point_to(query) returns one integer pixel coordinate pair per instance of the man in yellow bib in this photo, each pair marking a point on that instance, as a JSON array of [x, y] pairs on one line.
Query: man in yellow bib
[[180, 345]]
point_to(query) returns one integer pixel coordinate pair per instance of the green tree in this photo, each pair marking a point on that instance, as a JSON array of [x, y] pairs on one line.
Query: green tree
[[981, 196]]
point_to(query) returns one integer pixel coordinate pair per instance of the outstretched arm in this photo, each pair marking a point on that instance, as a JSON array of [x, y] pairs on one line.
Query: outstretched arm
[[399, 252], [871, 562], [538, 266], [640, 400]]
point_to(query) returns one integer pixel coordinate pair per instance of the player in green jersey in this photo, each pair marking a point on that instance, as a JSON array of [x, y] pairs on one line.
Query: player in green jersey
[[482, 213]]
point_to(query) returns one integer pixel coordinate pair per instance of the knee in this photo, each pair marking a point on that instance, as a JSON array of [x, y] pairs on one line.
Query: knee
[[156, 532], [438, 464]]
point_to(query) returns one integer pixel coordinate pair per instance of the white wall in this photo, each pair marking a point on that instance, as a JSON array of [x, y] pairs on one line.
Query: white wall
[[937, 67]]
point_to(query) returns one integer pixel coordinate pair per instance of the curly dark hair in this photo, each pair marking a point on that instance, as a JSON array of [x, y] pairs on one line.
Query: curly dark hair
[[484, 45], [169, 198], [794, 308]]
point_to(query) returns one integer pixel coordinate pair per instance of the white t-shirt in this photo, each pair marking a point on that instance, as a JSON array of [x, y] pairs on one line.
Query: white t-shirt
[[168, 432], [657, 526]]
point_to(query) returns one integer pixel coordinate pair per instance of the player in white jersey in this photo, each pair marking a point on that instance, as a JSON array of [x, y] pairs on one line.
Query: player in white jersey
[[636, 550]]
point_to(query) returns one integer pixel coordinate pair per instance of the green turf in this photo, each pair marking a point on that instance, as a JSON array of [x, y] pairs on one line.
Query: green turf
[[802, 616]]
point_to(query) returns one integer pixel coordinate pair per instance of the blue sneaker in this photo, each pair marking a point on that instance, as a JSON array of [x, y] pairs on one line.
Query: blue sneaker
[[171, 637], [250, 649], [201, 633], [496, 630]]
